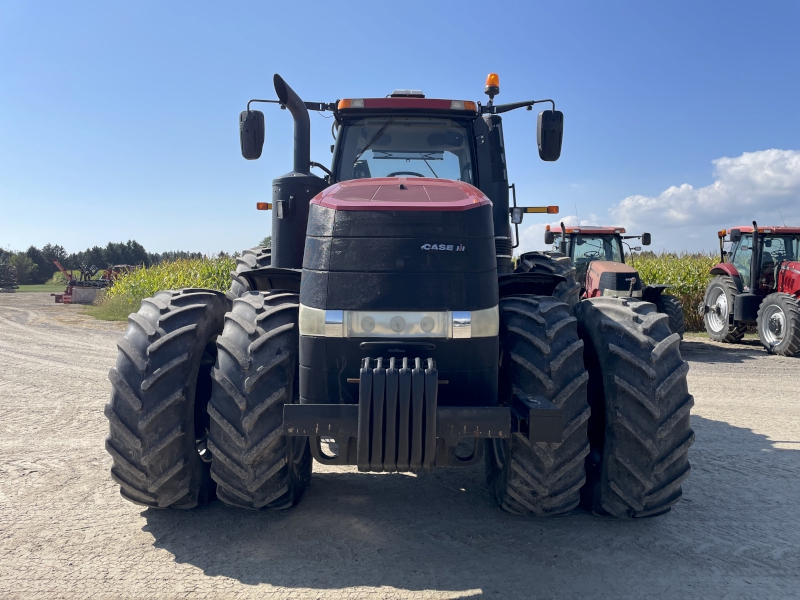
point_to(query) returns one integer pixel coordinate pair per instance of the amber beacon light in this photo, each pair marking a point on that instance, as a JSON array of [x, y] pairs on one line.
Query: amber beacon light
[[492, 85]]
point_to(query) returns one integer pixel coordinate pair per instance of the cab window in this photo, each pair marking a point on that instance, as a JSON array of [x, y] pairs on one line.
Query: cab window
[[405, 147], [588, 248], [742, 254]]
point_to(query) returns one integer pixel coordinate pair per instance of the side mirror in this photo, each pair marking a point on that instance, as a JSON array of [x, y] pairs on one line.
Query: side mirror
[[736, 235], [637, 249], [516, 215], [549, 237], [251, 133], [579, 240], [549, 133], [646, 239]]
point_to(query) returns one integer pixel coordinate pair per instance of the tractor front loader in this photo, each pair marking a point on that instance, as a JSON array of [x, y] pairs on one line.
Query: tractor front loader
[[757, 282], [386, 329], [592, 261]]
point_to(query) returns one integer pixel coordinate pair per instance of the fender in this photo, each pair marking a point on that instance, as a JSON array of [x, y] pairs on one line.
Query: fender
[[725, 269], [539, 284], [268, 279], [650, 293]]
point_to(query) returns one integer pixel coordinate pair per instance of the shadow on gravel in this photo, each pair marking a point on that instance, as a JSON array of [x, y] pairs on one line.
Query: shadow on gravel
[[709, 352], [441, 531]]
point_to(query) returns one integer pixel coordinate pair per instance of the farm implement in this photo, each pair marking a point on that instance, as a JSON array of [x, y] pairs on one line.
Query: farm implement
[[8, 278], [82, 289]]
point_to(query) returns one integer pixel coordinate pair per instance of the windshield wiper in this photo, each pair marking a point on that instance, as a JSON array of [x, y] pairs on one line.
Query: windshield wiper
[[422, 156], [374, 138]]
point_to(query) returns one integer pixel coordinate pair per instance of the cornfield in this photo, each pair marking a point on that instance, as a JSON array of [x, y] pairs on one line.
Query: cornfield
[[686, 274], [213, 273]]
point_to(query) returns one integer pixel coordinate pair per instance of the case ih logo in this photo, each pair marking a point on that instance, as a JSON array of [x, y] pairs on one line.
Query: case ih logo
[[445, 247]]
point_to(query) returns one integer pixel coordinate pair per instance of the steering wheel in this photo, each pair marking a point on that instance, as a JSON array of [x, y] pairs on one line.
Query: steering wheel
[[396, 173], [591, 255]]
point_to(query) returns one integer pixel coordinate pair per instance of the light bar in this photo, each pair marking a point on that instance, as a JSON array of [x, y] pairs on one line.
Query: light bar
[[263, 206], [463, 105], [399, 324], [550, 210], [355, 103]]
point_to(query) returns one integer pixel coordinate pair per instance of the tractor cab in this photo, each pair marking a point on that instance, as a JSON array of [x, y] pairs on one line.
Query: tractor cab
[[769, 258]]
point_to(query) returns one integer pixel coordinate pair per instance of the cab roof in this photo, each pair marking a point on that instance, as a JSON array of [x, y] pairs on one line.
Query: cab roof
[[355, 105], [768, 229], [591, 230]]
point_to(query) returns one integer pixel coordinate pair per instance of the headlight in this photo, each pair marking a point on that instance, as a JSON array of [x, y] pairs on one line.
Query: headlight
[[311, 321], [423, 324], [403, 324], [486, 322]]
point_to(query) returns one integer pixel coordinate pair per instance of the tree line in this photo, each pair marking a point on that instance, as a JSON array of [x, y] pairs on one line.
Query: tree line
[[35, 265]]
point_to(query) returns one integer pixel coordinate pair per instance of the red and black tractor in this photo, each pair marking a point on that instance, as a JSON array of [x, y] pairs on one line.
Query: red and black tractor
[[386, 329], [592, 259], [757, 282]]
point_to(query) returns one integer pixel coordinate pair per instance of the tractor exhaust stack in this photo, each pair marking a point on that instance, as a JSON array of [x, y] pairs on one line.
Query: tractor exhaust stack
[[302, 124], [292, 192], [755, 260]]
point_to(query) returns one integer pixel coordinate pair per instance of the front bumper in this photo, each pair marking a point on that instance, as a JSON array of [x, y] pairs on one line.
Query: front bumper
[[397, 424]]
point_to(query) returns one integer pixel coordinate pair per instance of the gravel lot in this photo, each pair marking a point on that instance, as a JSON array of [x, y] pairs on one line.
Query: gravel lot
[[65, 531]]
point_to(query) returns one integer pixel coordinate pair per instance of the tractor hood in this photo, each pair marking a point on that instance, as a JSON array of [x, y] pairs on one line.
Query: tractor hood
[[789, 277], [607, 278], [400, 244], [402, 193]]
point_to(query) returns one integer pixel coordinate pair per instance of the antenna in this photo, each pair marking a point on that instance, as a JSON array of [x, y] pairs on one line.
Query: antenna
[[576, 215], [782, 219]]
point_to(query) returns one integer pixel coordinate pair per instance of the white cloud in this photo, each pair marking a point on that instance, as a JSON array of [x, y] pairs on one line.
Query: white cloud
[[763, 185]]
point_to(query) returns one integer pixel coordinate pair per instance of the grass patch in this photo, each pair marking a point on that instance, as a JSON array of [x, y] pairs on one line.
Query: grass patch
[[42, 287], [113, 308]]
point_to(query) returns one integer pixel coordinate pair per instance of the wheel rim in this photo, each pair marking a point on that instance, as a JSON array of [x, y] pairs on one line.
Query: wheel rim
[[773, 325], [717, 315]]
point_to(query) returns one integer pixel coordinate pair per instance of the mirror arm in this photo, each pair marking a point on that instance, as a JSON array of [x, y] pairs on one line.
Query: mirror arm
[[257, 100], [324, 168], [496, 109], [318, 106]]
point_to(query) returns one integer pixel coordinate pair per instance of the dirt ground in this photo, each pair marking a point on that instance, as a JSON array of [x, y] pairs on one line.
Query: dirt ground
[[66, 532]]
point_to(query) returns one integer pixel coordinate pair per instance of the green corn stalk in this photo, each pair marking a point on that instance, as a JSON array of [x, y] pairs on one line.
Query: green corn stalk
[[686, 274], [211, 273]]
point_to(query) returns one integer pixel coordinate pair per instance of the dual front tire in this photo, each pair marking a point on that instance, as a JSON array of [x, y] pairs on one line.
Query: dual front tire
[[616, 371], [193, 381]]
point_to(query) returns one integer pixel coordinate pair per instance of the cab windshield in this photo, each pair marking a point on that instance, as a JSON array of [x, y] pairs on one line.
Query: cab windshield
[[589, 247], [597, 248], [405, 147]]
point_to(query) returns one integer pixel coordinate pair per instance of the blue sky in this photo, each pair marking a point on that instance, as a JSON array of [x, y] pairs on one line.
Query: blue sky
[[119, 120]]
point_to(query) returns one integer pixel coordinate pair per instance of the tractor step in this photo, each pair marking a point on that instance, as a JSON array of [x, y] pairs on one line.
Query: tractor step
[[398, 426]]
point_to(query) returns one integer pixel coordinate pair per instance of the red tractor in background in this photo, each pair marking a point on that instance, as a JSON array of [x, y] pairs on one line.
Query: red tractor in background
[[757, 283], [592, 260]]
